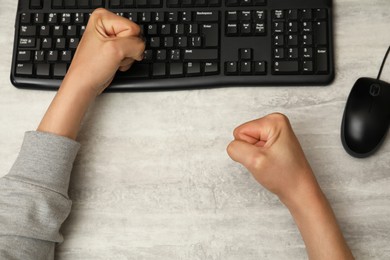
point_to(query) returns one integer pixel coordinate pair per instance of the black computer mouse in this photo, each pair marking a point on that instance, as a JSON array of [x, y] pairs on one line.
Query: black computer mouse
[[366, 117]]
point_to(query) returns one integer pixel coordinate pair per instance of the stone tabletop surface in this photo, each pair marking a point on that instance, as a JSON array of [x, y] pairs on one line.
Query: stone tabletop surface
[[153, 180]]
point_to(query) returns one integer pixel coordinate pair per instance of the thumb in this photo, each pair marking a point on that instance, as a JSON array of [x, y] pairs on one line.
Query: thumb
[[130, 47], [247, 154]]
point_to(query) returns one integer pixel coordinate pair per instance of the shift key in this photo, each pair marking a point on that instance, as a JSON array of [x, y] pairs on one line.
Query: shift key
[[201, 54]]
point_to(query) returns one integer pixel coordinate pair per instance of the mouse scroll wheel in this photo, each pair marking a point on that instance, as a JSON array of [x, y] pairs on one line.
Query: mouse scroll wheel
[[375, 89]]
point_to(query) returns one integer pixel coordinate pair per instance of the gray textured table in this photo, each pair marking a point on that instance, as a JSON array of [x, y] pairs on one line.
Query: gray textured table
[[153, 180]]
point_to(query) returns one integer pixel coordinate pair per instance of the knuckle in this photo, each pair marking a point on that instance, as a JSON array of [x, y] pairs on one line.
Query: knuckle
[[237, 131], [256, 161], [99, 11], [280, 119], [230, 148], [134, 28]]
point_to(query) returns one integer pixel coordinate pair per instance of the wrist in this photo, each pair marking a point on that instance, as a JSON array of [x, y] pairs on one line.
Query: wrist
[[76, 88], [306, 193]]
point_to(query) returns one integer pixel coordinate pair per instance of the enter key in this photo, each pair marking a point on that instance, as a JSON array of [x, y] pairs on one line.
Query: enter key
[[211, 35]]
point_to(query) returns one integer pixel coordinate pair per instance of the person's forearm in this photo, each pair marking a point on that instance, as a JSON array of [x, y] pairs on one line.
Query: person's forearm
[[318, 225], [65, 113]]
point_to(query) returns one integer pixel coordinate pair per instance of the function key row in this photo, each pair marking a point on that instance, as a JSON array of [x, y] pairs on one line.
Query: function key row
[[73, 4], [117, 4], [245, 2], [302, 14], [193, 3]]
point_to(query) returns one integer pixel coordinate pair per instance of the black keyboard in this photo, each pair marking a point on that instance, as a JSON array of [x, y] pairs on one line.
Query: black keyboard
[[189, 43]]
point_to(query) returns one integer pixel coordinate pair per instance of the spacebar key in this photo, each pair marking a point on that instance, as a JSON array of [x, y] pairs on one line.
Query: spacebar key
[[201, 54]]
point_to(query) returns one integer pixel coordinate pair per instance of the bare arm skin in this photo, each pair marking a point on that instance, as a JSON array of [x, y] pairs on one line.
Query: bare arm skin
[[109, 43], [269, 149]]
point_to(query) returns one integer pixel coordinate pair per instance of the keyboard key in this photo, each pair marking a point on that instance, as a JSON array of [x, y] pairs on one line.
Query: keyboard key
[[279, 53], [211, 68], [39, 18], [321, 14], [60, 43], [83, 3], [322, 60], [211, 36], [292, 40], [246, 29], [245, 16], [28, 30], [232, 2], [97, 3], [231, 29], [321, 33], [27, 42], [52, 18], [175, 55], [259, 2], [115, 3], [66, 56], [307, 27], [201, 54], [306, 14], [52, 56], [212, 16], [231, 68], [307, 39], [128, 3], [193, 68], [307, 67], [73, 43], [159, 70], [278, 14], [292, 14], [246, 67], [293, 53], [36, 4], [279, 40], [259, 16], [43, 70], [57, 4], [231, 15], [285, 67], [161, 55], [44, 30], [245, 54], [307, 53], [46, 43], [24, 56], [69, 3], [39, 56], [25, 18], [24, 69], [59, 70], [137, 70], [278, 27], [260, 68], [176, 69]]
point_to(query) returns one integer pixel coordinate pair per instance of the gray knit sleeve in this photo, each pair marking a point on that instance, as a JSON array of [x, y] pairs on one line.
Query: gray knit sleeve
[[34, 198]]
